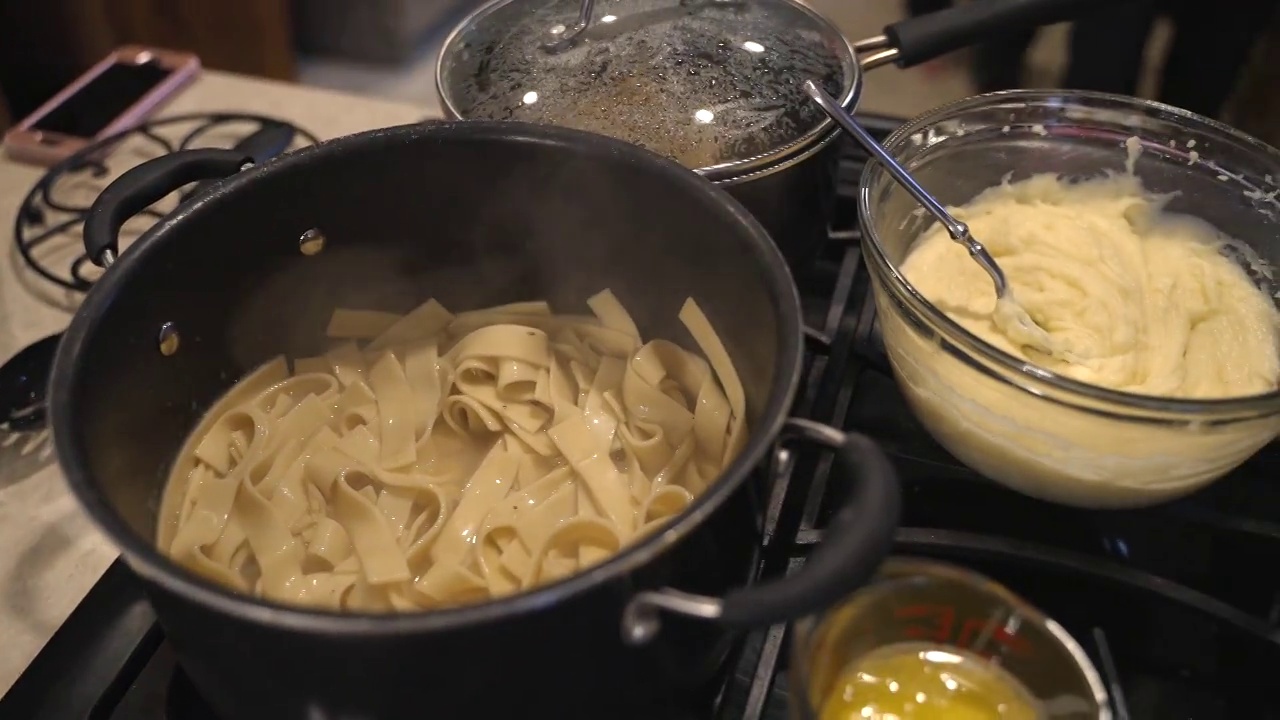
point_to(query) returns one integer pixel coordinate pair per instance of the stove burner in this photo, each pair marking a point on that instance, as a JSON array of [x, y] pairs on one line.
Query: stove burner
[[182, 702], [1177, 605], [45, 230]]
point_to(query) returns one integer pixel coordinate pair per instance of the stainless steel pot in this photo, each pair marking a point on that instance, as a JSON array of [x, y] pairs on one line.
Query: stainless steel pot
[[713, 84]]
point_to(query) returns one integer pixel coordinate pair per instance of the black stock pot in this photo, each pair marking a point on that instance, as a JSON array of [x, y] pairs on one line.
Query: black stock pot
[[474, 214]]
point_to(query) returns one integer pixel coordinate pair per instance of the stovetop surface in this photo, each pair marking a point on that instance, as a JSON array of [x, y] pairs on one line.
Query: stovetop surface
[[1178, 605]]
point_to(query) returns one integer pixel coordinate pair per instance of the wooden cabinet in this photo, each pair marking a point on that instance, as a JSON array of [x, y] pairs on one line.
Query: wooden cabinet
[[1255, 108], [45, 44], [246, 36], [5, 119]]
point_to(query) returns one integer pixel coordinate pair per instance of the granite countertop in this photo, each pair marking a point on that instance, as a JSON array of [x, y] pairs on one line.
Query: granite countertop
[[50, 554]]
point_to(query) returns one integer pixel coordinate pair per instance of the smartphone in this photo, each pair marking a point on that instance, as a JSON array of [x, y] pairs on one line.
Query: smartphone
[[119, 92]]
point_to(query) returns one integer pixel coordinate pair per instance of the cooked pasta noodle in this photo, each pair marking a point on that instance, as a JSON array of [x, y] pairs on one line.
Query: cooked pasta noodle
[[432, 459]]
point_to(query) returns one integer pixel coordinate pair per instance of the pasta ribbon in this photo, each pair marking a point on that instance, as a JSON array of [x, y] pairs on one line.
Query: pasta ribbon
[[429, 459]]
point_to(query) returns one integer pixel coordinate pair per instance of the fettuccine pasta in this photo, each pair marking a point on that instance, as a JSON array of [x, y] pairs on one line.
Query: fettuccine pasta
[[433, 459]]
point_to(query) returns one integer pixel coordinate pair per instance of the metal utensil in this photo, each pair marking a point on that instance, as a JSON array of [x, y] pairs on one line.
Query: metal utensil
[[1009, 316], [23, 380], [655, 73]]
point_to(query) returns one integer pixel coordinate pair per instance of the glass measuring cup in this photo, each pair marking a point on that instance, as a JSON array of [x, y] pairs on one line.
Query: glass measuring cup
[[922, 601]]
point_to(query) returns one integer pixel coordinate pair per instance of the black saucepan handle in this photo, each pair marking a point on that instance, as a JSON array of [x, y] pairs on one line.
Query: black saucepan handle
[[267, 142], [148, 183], [857, 540], [142, 186], [927, 36], [858, 537], [24, 377]]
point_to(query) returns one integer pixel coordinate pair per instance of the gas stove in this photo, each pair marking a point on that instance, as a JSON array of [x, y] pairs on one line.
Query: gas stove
[[47, 231], [1178, 605]]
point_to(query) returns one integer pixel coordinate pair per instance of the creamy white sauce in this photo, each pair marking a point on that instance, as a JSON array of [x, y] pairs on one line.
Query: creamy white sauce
[[1141, 298], [1138, 300]]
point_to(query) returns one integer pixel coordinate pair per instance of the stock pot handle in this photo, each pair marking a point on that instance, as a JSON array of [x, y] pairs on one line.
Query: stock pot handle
[[857, 540], [925, 37], [148, 183]]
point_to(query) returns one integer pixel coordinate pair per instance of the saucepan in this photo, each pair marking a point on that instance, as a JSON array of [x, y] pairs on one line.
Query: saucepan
[[714, 84], [473, 214]]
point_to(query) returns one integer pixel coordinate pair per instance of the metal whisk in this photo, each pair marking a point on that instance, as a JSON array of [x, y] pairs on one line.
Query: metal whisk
[[1009, 316]]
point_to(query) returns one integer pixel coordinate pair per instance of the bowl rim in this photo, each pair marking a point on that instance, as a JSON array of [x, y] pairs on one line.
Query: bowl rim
[[1066, 389]]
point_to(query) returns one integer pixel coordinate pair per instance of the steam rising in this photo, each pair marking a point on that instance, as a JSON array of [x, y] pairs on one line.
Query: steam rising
[[481, 223]]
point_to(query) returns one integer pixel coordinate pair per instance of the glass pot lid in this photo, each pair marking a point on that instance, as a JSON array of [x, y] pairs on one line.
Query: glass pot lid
[[713, 84]]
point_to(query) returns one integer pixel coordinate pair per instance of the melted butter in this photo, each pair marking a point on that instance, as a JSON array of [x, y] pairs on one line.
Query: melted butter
[[919, 681]]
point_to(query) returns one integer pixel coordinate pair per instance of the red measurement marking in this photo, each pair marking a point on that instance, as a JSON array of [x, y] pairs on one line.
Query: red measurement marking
[[972, 629], [938, 623], [935, 622]]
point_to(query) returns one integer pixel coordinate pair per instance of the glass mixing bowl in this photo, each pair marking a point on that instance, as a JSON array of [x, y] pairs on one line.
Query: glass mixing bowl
[[1040, 433]]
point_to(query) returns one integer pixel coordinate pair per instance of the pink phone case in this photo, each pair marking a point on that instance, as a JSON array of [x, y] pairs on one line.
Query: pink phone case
[[26, 144]]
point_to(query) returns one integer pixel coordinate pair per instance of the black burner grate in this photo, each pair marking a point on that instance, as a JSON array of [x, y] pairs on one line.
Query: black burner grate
[[1178, 605], [46, 231]]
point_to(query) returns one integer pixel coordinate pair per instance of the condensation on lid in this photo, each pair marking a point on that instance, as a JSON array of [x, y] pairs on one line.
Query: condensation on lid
[[709, 83]]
